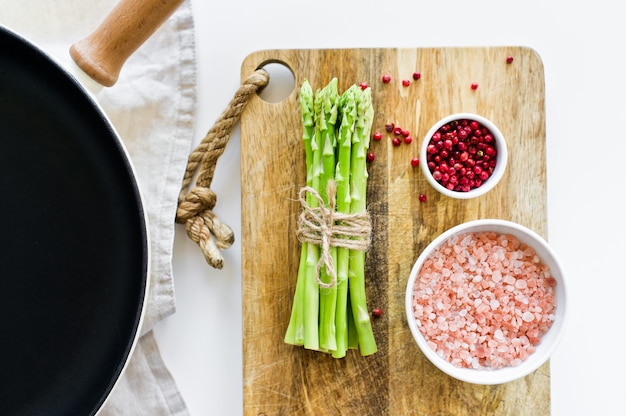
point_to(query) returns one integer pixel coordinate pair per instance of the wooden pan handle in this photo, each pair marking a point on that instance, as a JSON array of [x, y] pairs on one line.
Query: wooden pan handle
[[102, 54]]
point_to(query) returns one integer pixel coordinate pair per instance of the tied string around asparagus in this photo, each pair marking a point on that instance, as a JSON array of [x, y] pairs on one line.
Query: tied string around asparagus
[[195, 206], [324, 226]]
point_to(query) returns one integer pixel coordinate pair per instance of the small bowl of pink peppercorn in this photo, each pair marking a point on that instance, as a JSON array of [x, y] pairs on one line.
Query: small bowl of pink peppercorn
[[464, 155], [486, 301]]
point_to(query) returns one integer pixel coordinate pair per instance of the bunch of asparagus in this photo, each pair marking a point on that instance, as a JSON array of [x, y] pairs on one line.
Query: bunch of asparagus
[[333, 316]]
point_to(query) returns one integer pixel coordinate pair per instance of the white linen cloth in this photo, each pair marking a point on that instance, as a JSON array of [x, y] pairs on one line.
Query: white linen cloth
[[152, 108]]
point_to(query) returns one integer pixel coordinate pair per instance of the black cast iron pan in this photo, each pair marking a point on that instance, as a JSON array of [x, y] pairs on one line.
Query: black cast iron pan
[[74, 250]]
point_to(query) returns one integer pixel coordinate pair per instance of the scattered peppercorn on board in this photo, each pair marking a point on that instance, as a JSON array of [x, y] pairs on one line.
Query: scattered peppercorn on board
[[281, 379]]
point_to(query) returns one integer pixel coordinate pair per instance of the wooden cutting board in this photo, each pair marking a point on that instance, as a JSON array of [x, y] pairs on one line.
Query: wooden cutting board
[[282, 379]]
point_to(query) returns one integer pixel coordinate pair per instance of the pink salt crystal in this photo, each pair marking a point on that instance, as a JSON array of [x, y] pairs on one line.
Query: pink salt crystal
[[482, 308], [528, 317], [498, 335], [508, 279]]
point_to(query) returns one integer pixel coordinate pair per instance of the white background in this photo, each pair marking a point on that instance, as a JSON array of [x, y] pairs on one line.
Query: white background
[[582, 48]]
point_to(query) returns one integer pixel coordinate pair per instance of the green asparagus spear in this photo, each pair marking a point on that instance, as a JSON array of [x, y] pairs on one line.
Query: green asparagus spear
[[295, 331], [358, 186], [342, 178], [311, 293], [329, 102]]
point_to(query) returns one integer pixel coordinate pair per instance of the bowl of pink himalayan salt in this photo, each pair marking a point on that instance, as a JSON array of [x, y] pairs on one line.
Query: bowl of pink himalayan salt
[[463, 155], [486, 301]]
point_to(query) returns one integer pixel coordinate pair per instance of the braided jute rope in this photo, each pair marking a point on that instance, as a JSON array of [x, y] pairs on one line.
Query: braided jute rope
[[195, 206]]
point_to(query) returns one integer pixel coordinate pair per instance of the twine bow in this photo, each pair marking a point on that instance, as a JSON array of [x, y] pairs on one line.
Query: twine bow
[[195, 206], [323, 226]]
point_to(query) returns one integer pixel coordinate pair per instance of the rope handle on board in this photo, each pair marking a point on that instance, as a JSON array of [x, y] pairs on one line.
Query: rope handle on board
[[195, 206]]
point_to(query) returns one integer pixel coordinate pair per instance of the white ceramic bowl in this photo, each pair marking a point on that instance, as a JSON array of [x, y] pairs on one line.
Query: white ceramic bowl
[[501, 157], [549, 340]]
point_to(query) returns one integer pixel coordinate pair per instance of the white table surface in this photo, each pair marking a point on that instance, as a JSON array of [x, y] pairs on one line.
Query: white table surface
[[582, 47]]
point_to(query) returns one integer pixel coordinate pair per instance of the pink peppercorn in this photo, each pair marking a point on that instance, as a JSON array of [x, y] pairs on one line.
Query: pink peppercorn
[[415, 162], [386, 78], [474, 85], [363, 85], [377, 136], [408, 139], [422, 197], [416, 76], [396, 141], [406, 82], [370, 157], [509, 59]]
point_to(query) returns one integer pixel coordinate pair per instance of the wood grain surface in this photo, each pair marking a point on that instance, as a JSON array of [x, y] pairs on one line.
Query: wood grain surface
[[281, 379]]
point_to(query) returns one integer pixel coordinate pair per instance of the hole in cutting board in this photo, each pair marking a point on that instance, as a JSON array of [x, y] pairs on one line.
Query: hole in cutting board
[[281, 83]]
